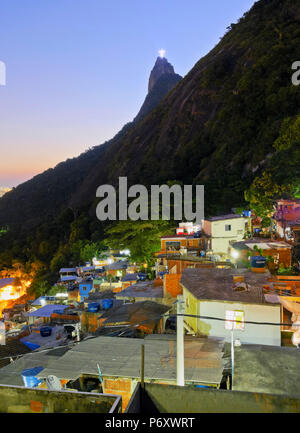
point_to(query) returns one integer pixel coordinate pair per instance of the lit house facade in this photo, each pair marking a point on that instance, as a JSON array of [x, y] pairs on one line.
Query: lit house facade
[[219, 232], [287, 220], [233, 297]]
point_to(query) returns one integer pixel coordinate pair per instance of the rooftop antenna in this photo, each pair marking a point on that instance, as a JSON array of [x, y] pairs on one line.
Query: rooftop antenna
[[100, 374]]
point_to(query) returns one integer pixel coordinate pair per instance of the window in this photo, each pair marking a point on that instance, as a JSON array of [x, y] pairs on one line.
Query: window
[[235, 320], [173, 245], [227, 227]]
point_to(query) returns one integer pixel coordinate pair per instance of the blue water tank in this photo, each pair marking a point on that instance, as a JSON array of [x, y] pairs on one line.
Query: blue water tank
[[247, 213], [258, 261], [142, 276], [107, 304], [93, 307], [45, 331], [29, 376]]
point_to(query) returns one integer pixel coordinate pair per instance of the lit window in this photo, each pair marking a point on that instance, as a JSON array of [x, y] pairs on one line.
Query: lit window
[[235, 320]]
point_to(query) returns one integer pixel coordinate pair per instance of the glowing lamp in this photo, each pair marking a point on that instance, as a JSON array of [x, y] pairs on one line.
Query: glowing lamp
[[234, 254]]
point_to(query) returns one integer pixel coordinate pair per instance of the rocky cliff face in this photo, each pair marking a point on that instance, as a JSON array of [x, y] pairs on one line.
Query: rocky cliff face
[[162, 80], [161, 67], [215, 127]]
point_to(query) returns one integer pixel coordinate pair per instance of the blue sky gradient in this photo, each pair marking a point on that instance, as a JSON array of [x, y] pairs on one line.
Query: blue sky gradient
[[77, 70]]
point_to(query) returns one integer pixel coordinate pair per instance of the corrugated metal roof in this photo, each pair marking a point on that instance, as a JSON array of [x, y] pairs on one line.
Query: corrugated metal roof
[[69, 278], [47, 310], [141, 289], [130, 277], [11, 348], [121, 357], [63, 270], [39, 300], [136, 313], [11, 373]]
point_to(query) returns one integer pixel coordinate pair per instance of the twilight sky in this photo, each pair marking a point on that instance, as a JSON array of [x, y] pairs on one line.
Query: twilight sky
[[77, 70]]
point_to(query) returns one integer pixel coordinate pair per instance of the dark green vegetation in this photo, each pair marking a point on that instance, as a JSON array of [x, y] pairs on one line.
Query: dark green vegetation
[[230, 124], [141, 238]]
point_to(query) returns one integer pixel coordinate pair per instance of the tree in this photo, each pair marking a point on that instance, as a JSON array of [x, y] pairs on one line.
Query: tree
[[142, 238], [281, 177], [91, 250]]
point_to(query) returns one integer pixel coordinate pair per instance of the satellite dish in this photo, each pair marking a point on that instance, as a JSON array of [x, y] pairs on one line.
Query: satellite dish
[[53, 383]]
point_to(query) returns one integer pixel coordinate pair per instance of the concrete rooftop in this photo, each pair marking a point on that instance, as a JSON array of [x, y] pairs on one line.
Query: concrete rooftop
[[218, 284], [267, 369]]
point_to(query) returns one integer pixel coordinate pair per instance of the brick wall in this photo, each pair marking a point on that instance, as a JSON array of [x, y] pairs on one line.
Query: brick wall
[[89, 321], [119, 386], [171, 285]]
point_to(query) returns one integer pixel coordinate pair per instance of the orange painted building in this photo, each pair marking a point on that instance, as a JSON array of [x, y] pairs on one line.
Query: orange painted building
[[175, 243], [119, 386], [171, 285], [90, 322]]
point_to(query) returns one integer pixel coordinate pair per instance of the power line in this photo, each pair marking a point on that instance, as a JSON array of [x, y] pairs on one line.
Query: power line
[[158, 316], [233, 320]]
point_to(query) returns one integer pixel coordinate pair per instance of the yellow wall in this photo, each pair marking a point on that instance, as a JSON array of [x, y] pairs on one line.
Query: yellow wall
[[191, 307], [252, 333]]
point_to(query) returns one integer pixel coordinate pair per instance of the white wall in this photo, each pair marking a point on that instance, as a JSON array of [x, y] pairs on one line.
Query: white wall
[[252, 334], [221, 237]]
